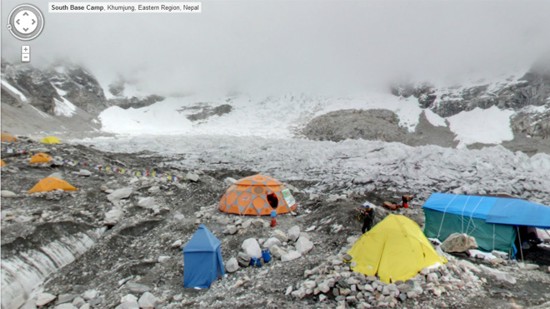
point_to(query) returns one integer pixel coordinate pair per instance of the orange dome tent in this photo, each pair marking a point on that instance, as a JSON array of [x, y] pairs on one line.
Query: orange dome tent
[[51, 184], [40, 158], [2, 163], [248, 196], [8, 138]]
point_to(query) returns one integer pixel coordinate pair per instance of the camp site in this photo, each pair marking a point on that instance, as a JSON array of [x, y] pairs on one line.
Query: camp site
[[123, 231], [275, 154]]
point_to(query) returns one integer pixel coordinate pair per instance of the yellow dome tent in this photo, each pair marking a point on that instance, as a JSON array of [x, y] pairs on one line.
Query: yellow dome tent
[[395, 249], [8, 138], [51, 184], [40, 158], [247, 196], [50, 140]]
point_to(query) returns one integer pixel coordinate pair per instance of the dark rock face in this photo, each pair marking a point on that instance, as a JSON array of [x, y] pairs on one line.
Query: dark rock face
[[39, 86], [136, 102]]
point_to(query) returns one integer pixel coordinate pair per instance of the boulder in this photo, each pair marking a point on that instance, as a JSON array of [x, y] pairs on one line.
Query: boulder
[[458, 243], [270, 242], [147, 202], [277, 251], [147, 301], [6, 193], [229, 181], [294, 233], [119, 194], [44, 299], [192, 177], [65, 306], [231, 229], [290, 256], [232, 265], [113, 216], [280, 235], [90, 294], [84, 172], [303, 245], [252, 248], [243, 259], [498, 275]]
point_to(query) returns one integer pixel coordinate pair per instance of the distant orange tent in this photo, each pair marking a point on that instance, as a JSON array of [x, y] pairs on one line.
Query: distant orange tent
[[248, 196], [40, 158], [2, 163], [8, 138], [50, 184]]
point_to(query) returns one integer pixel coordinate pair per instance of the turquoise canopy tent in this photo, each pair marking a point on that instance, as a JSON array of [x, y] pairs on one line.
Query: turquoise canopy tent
[[493, 221], [202, 259]]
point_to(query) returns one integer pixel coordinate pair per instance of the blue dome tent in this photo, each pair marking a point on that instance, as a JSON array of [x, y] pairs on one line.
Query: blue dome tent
[[202, 259]]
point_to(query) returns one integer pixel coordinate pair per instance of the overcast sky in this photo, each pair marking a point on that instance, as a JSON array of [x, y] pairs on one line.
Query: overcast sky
[[280, 46]]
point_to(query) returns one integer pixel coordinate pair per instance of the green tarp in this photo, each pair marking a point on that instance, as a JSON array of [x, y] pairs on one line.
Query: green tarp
[[488, 236]]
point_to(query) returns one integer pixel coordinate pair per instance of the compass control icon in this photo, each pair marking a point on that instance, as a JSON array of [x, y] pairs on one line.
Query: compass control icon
[[25, 22]]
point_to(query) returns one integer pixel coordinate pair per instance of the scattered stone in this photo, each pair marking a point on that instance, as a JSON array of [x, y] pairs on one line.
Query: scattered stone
[[138, 288], [147, 301], [6, 193], [322, 297], [309, 284], [270, 242], [154, 189], [243, 259], [290, 256], [177, 244], [113, 216], [148, 203], [277, 251], [90, 294], [65, 306], [78, 301], [294, 233], [65, 298], [163, 259], [119, 194], [457, 242], [288, 290], [432, 277], [231, 229], [252, 248], [44, 299], [229, 181], [324, 287], [280, 235], [528, 266], [497, 274], [232, 265], [84, 172], [299, 293], [192, 177], [303, 245]]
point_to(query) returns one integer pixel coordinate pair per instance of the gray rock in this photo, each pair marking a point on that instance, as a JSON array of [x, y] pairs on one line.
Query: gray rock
[[232, 265], [90, 294], [231, 229], [6, 193], [78, 301], [192, 177], [459, 243], [270, 242], [65, 298], [251, 247], [65, 306], [113, 216], [84, 172], [432, 277], [309, 284], [299, 293], [403, 296], [147, 301], [86, 306], [303, 245], [229, 181], [324, 287], [138, 288], [163, 259], [44, 299], [148, 203], [243, 259], [119, 194], [497, 274], [294, 233], [280, 235], [322, 298], [277, 251], [290, 256]]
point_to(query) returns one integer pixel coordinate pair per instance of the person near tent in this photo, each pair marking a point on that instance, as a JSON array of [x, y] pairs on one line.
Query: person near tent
[[405, 199], [366, 215], [273, 202]]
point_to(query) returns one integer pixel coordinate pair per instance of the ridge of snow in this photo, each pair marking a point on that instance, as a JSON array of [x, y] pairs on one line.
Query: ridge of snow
[[434, 119], [64, 108]]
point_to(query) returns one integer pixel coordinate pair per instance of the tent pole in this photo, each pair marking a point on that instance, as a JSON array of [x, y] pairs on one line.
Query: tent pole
[[520, 248]]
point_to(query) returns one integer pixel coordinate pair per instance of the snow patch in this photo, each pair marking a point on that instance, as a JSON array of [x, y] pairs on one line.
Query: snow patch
[[434, 118], [487, 126], [64, 108], [14, 91]]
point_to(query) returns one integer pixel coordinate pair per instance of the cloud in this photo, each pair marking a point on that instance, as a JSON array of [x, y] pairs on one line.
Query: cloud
[[282, 46]]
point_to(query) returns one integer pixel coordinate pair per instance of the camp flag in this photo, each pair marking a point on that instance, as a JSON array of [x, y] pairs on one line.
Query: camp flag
[[108, 168], [154, 173]]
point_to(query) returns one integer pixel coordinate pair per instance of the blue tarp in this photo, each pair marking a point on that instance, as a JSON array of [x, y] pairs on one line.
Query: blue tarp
[[202, 259], [498, 210]]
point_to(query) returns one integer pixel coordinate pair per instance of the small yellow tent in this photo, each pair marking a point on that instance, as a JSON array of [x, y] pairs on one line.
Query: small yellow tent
[[40, 158], [2, 163], [8, 138], [50, 140], [395, 249], [51, 184]]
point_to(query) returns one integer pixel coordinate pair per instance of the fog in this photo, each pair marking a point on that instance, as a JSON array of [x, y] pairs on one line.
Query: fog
[[306, 46]]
